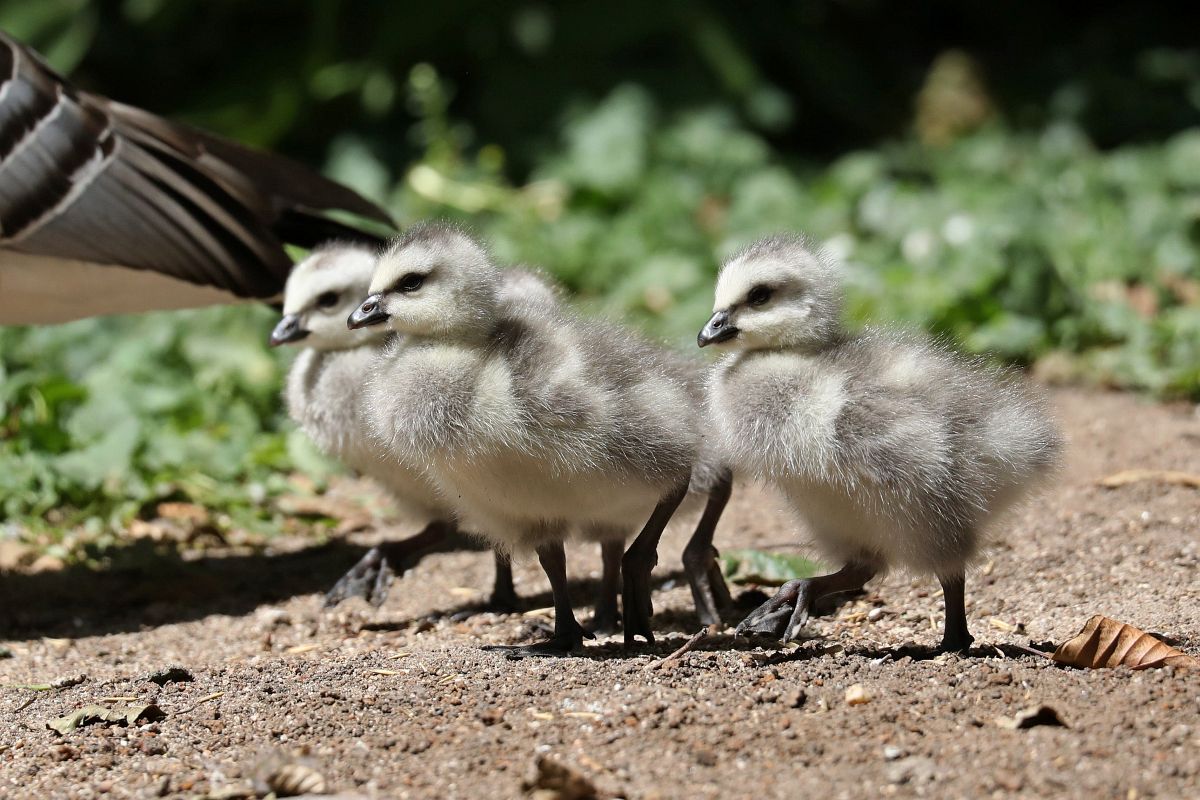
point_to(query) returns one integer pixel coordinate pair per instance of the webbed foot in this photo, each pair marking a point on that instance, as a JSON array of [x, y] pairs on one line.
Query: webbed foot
[[784, 615]]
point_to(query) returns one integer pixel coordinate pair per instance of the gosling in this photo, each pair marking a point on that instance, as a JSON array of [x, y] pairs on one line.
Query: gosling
[[323, 398], [893, 450], [531, 419]]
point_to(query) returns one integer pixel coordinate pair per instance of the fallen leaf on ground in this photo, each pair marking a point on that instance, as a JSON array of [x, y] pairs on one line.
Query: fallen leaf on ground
[[765, 569], [121, 715], [552, 779], [1106, 643], [1031, 718], [288, 776], [1172, 477]]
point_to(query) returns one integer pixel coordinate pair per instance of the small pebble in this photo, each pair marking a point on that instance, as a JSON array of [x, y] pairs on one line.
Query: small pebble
[[857, 695]]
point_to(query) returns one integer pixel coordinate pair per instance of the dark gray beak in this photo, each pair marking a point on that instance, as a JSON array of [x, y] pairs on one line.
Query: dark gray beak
[[717, 330], [288, 330], [369, 313]]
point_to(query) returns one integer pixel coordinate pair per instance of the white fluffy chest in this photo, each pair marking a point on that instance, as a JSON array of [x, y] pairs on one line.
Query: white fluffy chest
[[777, 414], [434, 401]]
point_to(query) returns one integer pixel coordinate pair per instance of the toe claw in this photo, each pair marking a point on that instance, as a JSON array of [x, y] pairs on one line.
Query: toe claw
[[766, 624], [369, 579]]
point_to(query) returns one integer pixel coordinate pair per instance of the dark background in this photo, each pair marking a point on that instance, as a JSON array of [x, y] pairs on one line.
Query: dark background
[[817, 78]]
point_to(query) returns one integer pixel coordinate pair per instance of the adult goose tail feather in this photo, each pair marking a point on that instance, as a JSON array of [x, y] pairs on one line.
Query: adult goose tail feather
[[106, 208]]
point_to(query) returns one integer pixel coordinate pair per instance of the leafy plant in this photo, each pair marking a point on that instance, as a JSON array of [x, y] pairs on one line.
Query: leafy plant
[[1035, 247]]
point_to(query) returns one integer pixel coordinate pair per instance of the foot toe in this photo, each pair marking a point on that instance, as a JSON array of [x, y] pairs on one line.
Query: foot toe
[[550, 648], [369, 579]]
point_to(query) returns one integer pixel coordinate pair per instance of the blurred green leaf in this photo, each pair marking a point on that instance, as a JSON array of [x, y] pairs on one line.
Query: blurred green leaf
[[766, 569]]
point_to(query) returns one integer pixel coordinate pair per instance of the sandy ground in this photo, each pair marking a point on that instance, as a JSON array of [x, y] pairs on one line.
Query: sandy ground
[[403, 702]]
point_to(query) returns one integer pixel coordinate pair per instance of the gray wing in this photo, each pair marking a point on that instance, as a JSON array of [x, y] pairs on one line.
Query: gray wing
[[86, 179]]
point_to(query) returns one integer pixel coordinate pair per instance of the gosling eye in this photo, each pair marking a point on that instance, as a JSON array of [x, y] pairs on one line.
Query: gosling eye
[[327, 299], [410, 282], [759, 295]]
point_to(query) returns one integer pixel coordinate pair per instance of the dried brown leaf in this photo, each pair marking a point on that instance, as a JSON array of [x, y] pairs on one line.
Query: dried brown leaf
[[551, 778], [288, 776], [88, 715], [1172, 477], [1105, 643]]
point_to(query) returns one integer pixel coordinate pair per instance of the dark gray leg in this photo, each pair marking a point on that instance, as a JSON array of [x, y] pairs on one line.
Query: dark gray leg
[[607, 618], [956, 637], [784, 614], [504, 598], [372, 576], [568, 633], [709, 591], [639, 561]]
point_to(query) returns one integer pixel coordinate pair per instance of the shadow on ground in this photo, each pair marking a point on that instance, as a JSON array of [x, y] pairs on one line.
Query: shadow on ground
[[155, 585]]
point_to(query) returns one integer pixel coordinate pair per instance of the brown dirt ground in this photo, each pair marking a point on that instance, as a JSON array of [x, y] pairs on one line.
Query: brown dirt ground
[[402, 702]]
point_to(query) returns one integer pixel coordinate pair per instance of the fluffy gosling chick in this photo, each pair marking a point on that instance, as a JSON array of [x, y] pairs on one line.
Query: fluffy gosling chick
[[529, 418], [893, 450], [323, 398]]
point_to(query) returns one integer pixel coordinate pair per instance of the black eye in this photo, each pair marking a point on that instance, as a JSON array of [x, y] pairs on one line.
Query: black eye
[[759, 295], [327, 299], [410, 282]]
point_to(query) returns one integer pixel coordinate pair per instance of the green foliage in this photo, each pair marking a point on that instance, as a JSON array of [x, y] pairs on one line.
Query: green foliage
[[1019, 245], [766, 569], [1025, 245], [100, 417]]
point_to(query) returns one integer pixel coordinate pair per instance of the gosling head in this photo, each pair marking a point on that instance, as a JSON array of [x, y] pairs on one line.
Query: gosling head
[[780, 292], [435, 280], [321, 290]]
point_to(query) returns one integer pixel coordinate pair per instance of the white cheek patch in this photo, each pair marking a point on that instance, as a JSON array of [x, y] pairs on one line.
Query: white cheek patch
[[772, 323], [739, 277], [345, 273]]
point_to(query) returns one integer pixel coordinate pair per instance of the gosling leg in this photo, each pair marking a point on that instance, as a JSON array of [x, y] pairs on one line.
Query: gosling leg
[[709, 592], [568, 633], [956, 638], [607, 618], [504, 598], [639, 561]]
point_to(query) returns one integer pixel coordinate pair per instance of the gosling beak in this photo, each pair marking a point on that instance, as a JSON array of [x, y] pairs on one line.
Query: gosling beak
[[288, 330], [717, 330], [369, 313]]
